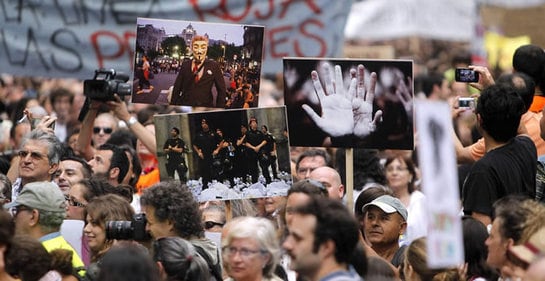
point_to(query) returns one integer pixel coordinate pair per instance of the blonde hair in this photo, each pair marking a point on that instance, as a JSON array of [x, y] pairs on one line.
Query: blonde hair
[[416, 257]]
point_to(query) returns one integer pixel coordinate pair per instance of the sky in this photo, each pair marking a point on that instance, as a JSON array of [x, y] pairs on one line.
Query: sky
[[232, 32]]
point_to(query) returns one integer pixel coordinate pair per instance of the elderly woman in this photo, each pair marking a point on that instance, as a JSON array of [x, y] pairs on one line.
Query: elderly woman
[[401, 177], [250, 249]]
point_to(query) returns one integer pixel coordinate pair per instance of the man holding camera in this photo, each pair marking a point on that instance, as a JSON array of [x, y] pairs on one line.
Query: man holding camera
[[509, 165], [171, 210], [193, 85]]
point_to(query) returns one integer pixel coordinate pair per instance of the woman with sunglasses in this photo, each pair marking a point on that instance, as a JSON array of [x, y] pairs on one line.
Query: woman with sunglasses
[[178, 260], [250, 249]]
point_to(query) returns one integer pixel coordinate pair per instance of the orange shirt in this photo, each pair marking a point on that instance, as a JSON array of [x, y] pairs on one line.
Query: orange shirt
[[537, 104], [531, 121], [147, 179]]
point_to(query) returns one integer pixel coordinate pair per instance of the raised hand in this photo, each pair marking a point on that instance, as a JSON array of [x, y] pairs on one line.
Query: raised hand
[[337, 118], [362, 104]]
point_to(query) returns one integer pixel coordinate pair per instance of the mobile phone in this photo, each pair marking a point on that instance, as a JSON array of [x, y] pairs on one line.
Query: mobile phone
[[467, 103], [466, 75]]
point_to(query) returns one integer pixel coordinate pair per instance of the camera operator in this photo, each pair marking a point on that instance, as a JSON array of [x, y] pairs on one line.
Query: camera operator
[[172, 211]]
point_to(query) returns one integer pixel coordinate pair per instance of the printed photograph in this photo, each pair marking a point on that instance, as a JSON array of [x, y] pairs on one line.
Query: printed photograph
[[227, 154], [200, 64], [349, 103]]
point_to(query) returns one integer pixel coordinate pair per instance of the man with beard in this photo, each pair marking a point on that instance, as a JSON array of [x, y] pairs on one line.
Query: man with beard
[[174, 148], [110, 163], [193, 85]]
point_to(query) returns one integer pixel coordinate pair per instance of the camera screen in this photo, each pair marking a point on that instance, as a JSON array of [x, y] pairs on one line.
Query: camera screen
[[466, 75]]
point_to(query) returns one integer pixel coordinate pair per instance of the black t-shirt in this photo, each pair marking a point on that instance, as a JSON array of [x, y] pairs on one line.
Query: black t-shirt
[[173, 155], [509, 169], [206, 141], [254, 137]]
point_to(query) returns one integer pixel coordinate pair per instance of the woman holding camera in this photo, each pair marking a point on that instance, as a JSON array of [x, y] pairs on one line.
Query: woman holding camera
[[98, 212]]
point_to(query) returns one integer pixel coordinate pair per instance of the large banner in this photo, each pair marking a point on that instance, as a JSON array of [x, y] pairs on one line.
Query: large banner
[[72, 38]]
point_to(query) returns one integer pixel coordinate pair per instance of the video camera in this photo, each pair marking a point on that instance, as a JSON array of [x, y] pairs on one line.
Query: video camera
[[128, 230], [105, 84]]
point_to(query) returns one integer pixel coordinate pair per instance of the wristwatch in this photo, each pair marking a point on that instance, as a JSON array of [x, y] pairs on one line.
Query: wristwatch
[[131, 121]]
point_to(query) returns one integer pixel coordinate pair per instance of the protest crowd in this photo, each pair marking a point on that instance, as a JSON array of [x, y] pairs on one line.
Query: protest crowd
[[83, 199]]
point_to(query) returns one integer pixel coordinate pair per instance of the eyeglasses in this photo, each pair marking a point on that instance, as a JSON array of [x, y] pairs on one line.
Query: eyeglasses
[[33, 155], [243, 252], [73, 202], [106, 130], [210, 224], [16, 210], [398, 169]]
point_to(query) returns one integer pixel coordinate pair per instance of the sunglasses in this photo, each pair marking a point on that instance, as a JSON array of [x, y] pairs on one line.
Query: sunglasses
[[106, 130], [33, 155], [210, 224]]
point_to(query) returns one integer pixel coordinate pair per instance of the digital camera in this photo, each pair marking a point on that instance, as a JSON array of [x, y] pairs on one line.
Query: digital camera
[[466, 102], [128, 230], [105, 84], [466, 75]]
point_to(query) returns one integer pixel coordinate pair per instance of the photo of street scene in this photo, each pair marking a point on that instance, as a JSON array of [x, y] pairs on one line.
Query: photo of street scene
[[228, 154], [197, 64]]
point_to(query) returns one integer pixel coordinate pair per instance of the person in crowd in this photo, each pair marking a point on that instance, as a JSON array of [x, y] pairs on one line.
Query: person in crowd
[[38, 212], [213, 218], [516, 219], [385, 220], [416, 267], [96, 129], [128, 261], [255, 141], [7, 232], [310, 160], [524, 86], [250, 249], [204, 144], [509, 166], [436, 87], [193, 85], [178, 260], [475, 251], [174, 147], [79, 196], [109, 207], [366, 196], [331, 179], [380, 269], [111, 163], [530, 60], [322, 237], [72, 169], [401, 177], [171, 211], [521, 256], [300, 193], [28, 260], [62, 100], [38, 159]]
